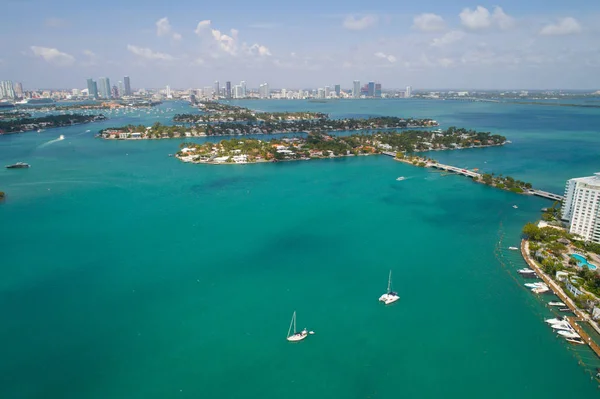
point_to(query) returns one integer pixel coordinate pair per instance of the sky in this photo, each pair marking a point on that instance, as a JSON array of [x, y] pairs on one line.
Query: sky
[[428, 44]]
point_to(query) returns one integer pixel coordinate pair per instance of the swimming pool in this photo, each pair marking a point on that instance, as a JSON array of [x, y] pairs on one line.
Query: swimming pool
[[581, 261]]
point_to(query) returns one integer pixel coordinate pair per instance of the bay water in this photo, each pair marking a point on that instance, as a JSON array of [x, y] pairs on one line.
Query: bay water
[[128, 274]]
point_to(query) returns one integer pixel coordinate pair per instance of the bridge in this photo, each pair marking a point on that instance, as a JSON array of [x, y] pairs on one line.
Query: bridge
[[546, 194], [454, 169]]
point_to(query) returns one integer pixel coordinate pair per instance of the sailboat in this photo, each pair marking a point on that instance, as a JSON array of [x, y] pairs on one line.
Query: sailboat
[[390, 296], [296, 336]]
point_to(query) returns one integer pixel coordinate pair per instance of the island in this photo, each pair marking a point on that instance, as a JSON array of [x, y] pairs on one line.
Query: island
[[14, 115], [45, 122], [322, 145]]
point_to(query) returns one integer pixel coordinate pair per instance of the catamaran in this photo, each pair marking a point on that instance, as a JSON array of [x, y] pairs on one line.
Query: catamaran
[[390, 296], [296, 336]]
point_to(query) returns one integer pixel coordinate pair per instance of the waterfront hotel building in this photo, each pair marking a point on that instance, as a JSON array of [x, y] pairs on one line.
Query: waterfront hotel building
[[581, 207]]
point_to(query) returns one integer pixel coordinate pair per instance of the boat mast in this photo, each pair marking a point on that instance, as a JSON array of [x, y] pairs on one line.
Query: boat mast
[[390, 282], [293, 322]]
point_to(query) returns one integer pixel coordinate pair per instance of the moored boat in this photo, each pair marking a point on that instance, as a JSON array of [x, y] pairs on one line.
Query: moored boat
[[556, 304], [390, 296], [296, 336], [569, 334], [576, 341], [513, 248]]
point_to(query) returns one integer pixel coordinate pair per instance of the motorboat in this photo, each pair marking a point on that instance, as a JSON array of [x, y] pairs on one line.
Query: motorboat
[[556, 304], [514, 206], [541, 290], [401, 178], [390, 296], [562, 326], [556, 320], [576, 341], [568, 334], [526, 272], [18, 165], [535, 285], [513, 248]]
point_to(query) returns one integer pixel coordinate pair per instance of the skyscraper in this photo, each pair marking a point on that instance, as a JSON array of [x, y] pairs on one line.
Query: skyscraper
[[228, 89], [378, 90], [408, 93], [371, 90], [356, 89], [18, 90], [327, 91], [237, 91], [264, 91], [7, 89], [92, 88], [115, 92], [243, 85], [121, 89], [217, 89], [104, 88], [127, 86], [168, 91], [338, 90]]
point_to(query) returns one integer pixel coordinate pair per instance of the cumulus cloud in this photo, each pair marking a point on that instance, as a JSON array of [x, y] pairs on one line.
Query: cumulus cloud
[[429, 22], [448, 38], [353, 23], [53, 56], [92, 58], [387, 57], [229, 44], [163, 28], [147, 53], [564, 26], [202, 26], [481, 18]]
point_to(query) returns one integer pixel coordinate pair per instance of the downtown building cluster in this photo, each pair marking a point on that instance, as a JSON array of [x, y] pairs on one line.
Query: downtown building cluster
[[103, 90]]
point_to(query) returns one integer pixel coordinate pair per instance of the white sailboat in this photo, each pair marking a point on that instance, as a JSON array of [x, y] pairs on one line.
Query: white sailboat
[[296, 336], [390, 296]]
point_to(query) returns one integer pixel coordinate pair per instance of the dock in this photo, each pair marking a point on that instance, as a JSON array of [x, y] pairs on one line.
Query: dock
[[579, 315]]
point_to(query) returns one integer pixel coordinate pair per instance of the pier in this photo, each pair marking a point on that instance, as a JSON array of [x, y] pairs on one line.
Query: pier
[[579, 315]]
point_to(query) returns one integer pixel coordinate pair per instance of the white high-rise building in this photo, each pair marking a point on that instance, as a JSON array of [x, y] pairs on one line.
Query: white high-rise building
[[408, 93], [581, 207], [356, 89], [243, 86], [217, 89], [238, 91], [264, 91], [7, 89], [168, 92]]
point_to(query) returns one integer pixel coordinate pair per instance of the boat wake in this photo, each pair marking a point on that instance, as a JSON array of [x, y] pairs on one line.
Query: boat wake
[[60, 138]]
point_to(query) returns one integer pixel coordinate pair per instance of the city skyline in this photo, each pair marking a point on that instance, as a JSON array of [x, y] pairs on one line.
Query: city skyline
[[507, 45]]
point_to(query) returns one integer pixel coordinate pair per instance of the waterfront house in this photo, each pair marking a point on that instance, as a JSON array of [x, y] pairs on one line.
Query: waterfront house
[[572, 289], [562, 276], [123, 135]]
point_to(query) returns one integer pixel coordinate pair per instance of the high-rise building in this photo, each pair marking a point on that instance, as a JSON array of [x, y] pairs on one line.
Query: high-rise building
[[320, 92], [327, 91], [228, 89], [121, 89], [356, 89], [371, 89], [264, 91], [18, 90], [92, 87], [378, 90], [581, 207], [408, 92], [104, 88], [217, 89], [127, 86], [75, 92], [238, 92], [7, 89], [168, 92], [338, 90], [114, 92], [243, 86]]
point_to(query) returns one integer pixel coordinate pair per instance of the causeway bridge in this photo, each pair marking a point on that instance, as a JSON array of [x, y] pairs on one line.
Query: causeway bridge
[[477, 176]]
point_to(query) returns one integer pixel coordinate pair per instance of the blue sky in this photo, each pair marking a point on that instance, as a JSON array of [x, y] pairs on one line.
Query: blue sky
[[427, 44]]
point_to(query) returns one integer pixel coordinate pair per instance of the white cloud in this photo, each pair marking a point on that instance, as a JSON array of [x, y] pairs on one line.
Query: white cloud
[[145, 52], [565, 26], [503, 20], [257, 49], [202, 25], [478, 18], [365, 22], [225, 42], [481, 18], [53, 56], [384, 56], [448, 38], [429, 22], [56, 23], [92, 58], [163, 28]]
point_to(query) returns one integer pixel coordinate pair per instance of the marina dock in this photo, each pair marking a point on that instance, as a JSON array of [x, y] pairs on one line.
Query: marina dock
[[579, 315]]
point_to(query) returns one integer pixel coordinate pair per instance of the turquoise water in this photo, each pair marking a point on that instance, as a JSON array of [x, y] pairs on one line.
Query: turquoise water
[[126, 273], [581, 261]]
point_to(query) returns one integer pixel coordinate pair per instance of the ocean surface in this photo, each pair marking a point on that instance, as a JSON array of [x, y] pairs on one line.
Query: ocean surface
[[128, 274]]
